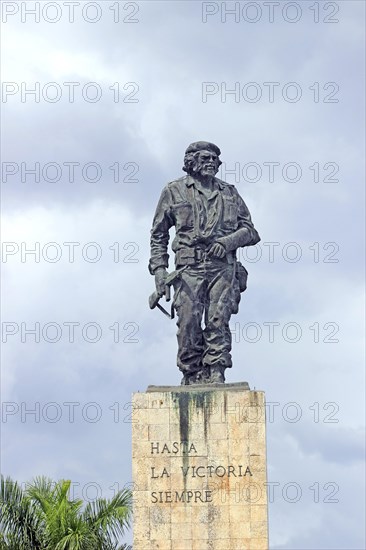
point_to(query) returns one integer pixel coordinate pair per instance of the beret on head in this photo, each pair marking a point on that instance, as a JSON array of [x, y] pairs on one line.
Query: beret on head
[[203, 146]]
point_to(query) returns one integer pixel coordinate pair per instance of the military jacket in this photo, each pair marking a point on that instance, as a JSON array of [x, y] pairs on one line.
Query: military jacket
[[199, 220]]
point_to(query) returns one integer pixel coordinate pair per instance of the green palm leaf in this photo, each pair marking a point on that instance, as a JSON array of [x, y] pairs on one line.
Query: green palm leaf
[[110, 518], [20, 521], [43, 517]]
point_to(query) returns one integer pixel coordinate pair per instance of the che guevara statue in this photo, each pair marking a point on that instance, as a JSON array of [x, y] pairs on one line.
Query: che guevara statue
[[211, 222]]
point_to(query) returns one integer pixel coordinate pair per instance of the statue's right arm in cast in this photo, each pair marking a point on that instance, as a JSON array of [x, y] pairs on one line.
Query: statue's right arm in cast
[[159, 259]]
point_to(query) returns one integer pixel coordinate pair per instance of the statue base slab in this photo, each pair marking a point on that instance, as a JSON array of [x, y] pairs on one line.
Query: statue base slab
[[200, 387]]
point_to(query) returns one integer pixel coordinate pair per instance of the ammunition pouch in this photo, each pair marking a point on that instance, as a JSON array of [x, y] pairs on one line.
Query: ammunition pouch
[[242, 276]]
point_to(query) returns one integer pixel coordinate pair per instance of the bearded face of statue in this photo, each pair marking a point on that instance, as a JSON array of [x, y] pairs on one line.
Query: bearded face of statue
[[207, 164], [203, 164]]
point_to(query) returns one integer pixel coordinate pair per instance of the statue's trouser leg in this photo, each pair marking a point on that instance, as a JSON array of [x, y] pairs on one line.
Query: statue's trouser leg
[[189, 305], [217, 334]]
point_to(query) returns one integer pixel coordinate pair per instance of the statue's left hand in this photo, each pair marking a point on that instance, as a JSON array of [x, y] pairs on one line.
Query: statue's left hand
[[217, 250]]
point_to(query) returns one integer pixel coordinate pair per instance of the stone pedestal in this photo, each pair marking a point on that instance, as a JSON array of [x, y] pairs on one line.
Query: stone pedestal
[[199, 468]]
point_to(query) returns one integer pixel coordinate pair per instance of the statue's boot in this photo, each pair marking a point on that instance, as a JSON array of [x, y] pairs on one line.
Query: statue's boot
[[188, 379], [201, 376], [217, 375]]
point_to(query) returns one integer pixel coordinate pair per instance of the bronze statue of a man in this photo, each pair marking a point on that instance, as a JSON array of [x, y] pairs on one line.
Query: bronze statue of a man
[[211, 221]]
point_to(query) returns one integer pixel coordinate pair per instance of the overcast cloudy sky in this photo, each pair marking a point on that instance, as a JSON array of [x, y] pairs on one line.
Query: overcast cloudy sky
[[119, 91]]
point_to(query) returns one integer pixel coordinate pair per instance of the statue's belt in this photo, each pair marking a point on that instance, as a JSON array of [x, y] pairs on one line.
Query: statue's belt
[[195, 255]]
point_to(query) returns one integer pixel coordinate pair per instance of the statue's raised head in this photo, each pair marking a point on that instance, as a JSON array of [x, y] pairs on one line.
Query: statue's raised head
[[202, 156]]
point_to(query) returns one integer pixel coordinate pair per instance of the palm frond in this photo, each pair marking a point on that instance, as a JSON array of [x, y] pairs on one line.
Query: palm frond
[[19, 517], [110, 518], [43, 517]]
